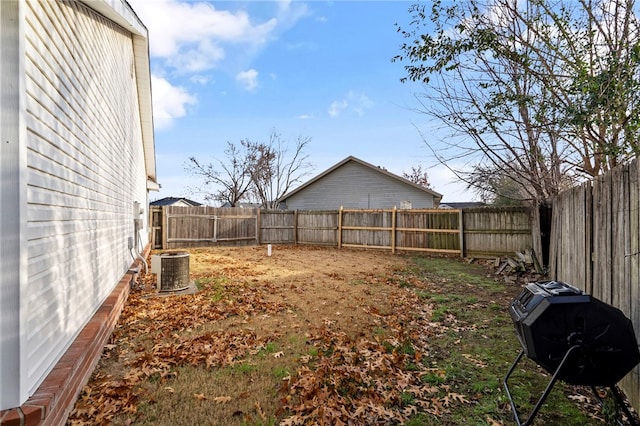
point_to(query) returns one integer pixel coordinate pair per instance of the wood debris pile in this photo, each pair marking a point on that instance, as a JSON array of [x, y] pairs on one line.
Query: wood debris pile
[[519, 268]]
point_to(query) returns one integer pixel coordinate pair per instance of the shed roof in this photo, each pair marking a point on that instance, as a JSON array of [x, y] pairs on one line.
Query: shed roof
[[437, 196]]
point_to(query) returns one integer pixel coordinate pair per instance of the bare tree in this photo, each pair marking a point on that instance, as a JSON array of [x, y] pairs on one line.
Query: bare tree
[[275, 169], [253, 171], [541, 92], [229, 180], [418, 176]]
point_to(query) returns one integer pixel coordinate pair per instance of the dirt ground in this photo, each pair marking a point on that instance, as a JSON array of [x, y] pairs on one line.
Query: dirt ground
[[318, 285]]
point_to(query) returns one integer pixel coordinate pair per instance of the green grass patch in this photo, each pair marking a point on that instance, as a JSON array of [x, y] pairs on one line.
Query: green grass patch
[[475, 348]]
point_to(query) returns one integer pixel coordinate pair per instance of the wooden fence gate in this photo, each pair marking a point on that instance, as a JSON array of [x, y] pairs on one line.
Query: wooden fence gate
[[184, 227]]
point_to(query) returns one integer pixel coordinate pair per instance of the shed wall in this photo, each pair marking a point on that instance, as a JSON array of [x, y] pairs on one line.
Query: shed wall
[[85, 168], [354, 186]]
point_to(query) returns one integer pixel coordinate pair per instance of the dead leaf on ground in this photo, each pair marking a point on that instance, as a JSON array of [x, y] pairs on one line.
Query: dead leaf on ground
[[493, 422]]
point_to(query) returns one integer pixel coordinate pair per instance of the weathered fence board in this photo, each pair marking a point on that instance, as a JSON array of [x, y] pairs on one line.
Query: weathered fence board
[[496, 231], [184, 227], [631, 384], [317, 227], [428, 230], [475, 232], [155, 225], [277, 227], [570, 251], [595, 245], [366, 228]]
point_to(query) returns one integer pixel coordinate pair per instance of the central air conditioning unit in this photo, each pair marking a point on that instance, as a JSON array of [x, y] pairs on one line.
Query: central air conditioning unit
[[172, 270]]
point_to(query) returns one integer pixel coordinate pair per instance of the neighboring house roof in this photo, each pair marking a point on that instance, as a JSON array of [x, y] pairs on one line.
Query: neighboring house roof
[[170, 201], [462, 205], [437, 196]]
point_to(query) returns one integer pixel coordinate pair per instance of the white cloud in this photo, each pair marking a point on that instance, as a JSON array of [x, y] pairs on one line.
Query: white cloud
[[188, 39], [191, 36], [444, 181], [200, 79], [290, 12], [354, 102], [360, 102], [198, 57], [169, 102], [337, 107], [301, 45], [248, 79]]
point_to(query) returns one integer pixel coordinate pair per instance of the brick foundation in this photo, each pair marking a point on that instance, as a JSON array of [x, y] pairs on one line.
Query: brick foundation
[[54, 399]]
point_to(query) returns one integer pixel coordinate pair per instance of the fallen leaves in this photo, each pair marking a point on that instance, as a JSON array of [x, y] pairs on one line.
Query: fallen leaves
[[222, 399], [168, 326], [348, 378], [361, 381], [478, 363]]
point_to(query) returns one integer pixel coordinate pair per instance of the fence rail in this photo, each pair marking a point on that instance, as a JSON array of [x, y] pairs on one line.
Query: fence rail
[[469, 232]]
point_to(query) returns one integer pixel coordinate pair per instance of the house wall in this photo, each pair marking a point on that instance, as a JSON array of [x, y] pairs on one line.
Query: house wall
[[84, 169], [11, 206], [355, 186]]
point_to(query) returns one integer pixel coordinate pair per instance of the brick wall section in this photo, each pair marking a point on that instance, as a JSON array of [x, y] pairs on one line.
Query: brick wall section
[[54, 399]]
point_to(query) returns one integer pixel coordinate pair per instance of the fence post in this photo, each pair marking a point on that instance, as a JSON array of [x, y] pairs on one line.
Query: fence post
[[536, 238], [165, 227], [340, 227], [295, 227], [258, 226], [461, 226], [393, 229]]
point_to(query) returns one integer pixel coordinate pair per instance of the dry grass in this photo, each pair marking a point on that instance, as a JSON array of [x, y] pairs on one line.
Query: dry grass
[[272, 304], [313, 336]]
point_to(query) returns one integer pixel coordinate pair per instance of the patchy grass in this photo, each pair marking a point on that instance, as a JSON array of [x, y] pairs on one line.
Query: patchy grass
[[474, 347], [316, 335]]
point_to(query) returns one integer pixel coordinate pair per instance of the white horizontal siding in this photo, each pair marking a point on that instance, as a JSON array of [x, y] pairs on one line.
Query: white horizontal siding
[[12, 253], [85, 168], [356, 186]]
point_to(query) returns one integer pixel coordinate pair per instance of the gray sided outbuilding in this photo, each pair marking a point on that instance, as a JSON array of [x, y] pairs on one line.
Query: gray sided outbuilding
[[356, 184]]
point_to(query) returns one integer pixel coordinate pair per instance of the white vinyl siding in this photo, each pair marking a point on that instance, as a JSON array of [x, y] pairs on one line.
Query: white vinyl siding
[[85, 168], [12, 195], [353, 185]]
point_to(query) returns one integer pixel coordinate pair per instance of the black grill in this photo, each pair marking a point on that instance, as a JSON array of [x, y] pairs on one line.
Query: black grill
[[572, 335]]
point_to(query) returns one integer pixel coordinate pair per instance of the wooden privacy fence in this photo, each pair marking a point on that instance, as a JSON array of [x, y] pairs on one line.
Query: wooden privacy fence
[[175, 227], [469, 232], [595, 246]]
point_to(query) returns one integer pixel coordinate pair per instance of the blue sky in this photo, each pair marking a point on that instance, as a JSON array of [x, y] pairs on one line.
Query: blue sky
[[226, 70]]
